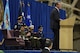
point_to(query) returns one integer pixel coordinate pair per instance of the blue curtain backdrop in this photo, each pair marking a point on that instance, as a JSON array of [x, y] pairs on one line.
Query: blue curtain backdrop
[[40, 15]]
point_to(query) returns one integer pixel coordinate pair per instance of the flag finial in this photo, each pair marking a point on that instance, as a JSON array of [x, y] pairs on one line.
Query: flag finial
[[28, 4]]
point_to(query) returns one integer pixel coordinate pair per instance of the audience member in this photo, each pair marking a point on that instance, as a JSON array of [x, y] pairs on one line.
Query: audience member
[[48, 46]]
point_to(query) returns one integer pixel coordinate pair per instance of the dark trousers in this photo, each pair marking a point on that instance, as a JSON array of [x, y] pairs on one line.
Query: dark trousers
[[42, 41], [56, 39]]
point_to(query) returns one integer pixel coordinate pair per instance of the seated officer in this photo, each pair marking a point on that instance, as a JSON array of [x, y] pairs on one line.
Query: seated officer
[[35, 44], [22, 32], [40, 32], [19, 23], [41, 36], [31, 29]]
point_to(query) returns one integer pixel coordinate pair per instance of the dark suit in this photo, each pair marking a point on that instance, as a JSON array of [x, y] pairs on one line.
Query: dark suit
[[45, 51], [40, 34], [55, 26]]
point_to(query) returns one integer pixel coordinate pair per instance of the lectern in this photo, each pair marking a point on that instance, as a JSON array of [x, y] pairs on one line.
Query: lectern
[[66, 33]]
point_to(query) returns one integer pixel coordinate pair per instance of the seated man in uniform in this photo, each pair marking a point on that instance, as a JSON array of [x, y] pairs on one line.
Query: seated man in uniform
[[24, 33], [40, 32], [19, 23], [41, 36]]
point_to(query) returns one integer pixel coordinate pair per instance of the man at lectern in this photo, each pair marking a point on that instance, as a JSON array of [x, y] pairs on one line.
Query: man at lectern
[[55, 24]]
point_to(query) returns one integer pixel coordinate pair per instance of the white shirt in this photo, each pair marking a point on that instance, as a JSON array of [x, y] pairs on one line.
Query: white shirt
[[47, 48], [57, 9], [0, 27]]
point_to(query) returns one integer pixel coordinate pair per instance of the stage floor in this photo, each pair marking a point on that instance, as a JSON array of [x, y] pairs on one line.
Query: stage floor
[[35, 51]]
